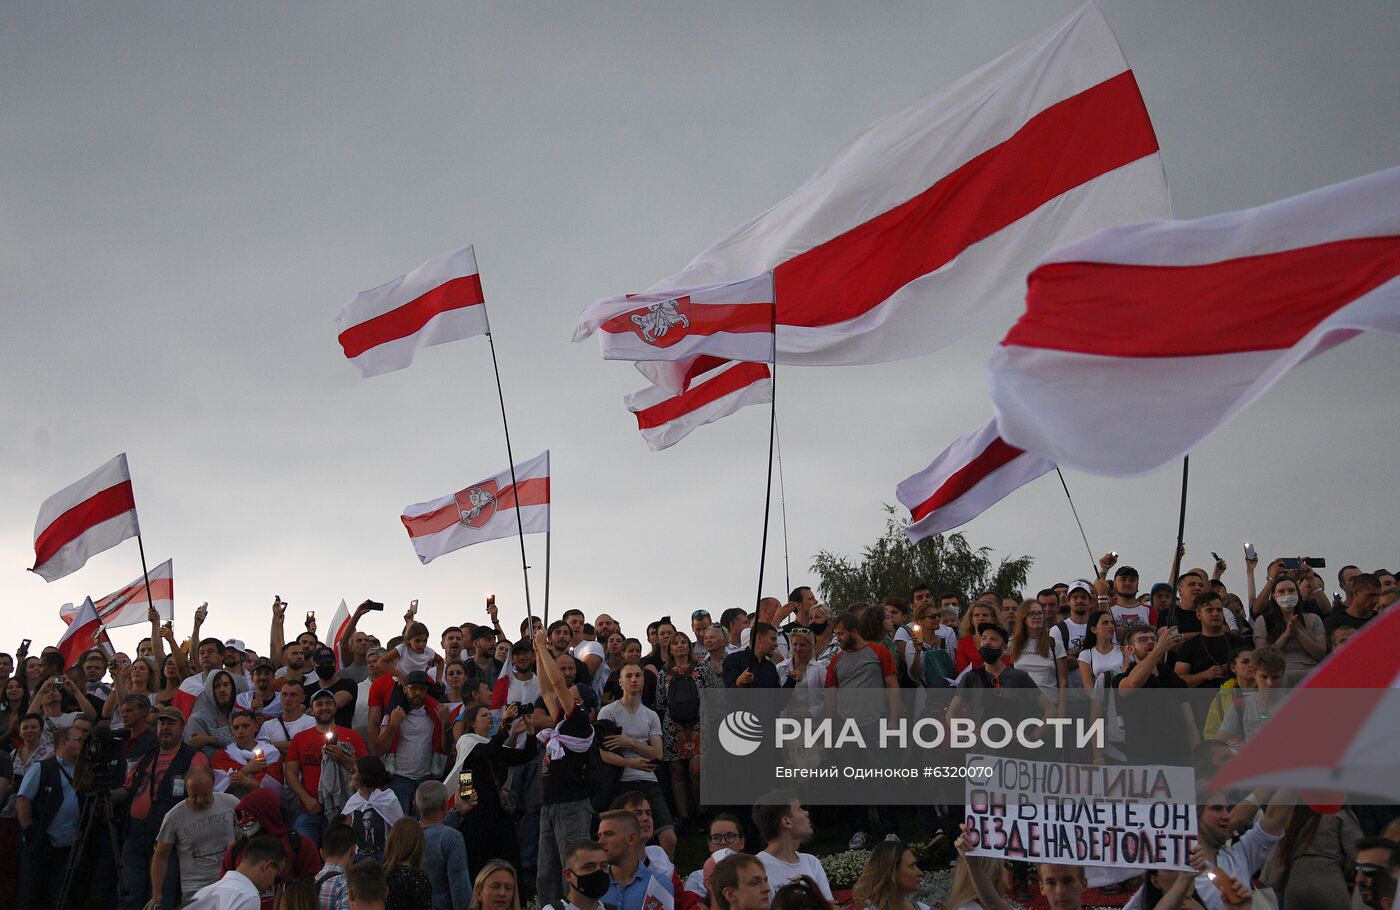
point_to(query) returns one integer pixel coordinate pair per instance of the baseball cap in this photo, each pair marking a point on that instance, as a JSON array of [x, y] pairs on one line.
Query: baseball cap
[[1079, 584], [1161, 586], [262, 663], [323, 655], [1128, 571], [168, 713], [993, 627], [237, 645], [329, 694], [522, 647], [417, 678]]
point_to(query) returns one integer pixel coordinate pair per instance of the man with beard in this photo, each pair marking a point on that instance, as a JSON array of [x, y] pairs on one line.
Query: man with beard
[[293, 661], [261, 698], [308, 751], [1151, 735], [413, 735], [326, 677], [154, 786], [484, 660], [210, 727], [560, 642], [198, 830]]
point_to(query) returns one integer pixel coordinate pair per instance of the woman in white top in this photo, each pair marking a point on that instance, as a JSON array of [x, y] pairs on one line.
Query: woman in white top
[[1100, 653], [1034, 650], [800, 671], [889, 877]]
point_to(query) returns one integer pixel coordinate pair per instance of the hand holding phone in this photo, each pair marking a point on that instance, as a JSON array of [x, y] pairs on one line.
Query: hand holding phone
[[413, 606], [1250, 555]]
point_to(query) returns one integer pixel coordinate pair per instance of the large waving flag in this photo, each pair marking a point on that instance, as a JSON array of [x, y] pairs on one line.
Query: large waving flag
[[920, 230], [971, 476], [1339, 730], [734, 321], [381, 330], [1182, 324], [483, 511], [83, 519], [665, 420], [129, 606]]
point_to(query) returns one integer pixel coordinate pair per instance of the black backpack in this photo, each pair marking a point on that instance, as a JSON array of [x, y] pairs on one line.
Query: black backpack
[[683, 699], [603, 776]]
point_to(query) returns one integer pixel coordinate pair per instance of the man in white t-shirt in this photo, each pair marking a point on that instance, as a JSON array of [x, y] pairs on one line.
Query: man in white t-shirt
[[1127, 608], [280, 730], [1071, 629], [784, 825], [637, 749], [587, 650], [1243, 858]]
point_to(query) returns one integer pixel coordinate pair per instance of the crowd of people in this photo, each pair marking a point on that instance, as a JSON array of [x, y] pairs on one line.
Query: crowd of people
[[563, 763]]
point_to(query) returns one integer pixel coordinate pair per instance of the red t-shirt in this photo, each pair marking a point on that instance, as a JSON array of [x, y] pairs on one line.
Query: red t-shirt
[[381, 690], [155, 776], [306, 746]]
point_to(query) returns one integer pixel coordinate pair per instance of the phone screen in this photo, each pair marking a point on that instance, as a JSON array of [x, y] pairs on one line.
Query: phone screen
[[465, 790]]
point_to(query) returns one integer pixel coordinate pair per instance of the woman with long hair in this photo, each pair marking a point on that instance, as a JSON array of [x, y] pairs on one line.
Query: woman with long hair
[[1282, 623], [656, 660], [890, 875], [612, 660], [409, 886], [962, 892], [935, 664], [14, 704], [1308, 868], [1100, 653], [495, 887], [824, 643], [170, 679], [1034, 650], [490, 831], [372, 809], [966, 656], [299, 894], [678, 695], [454, 686], [33, 673]]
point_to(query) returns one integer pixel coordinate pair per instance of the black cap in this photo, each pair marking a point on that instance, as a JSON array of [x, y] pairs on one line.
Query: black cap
[[993, 627], [326, 692], [1126, 570], [522, 647], [417, 678], [323, 655], [262, 663]]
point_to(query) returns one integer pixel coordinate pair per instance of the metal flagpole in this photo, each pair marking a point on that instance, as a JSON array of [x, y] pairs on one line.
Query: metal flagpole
[[546, 578], [772, 439], [515, 487], [782, 503], [1088, 549], [146, 577], [1180, 535]]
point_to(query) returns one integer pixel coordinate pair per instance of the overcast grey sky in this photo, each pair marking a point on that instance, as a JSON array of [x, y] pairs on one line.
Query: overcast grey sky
[[192, 190]]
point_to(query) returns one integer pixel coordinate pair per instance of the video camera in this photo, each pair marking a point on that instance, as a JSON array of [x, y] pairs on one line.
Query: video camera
[[102, 757]]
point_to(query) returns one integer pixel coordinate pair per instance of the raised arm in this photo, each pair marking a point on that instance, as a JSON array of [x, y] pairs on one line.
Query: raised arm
[[278, 636], [157, 641], [553, 689], [343, 646], [986, 890]]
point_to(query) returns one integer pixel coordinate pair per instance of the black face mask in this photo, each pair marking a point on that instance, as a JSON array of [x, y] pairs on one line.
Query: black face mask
[[593, 885], [819, 628], [989, 655], [325, 671]]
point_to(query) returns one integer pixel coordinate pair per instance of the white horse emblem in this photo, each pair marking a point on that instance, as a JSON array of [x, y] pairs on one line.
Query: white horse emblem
[[476, 506], [658, 320]]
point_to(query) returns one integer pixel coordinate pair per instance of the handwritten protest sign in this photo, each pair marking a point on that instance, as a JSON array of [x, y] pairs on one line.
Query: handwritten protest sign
[[1131, 816]]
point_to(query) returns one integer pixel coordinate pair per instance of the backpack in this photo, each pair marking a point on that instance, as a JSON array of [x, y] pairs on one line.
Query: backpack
[[683, 699], [603, 776], [1072, 678]]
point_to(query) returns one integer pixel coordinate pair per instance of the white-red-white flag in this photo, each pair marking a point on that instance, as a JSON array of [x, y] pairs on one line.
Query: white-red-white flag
[[339, 622], [129, 605], [84, 633], [83, 519], [733, 321], [971, 476], [1177, 326], [665, 420], [483, 511], [919, 231], [656, 896], [381, 330]]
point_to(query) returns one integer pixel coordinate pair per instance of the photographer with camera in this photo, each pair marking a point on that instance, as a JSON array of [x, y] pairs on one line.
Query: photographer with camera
[[48, 811]]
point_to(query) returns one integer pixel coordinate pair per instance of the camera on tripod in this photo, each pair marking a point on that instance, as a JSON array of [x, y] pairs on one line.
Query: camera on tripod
[[102, 757]]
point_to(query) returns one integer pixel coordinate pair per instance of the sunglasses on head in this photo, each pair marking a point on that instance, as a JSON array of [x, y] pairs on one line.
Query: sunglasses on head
[[700, 614]]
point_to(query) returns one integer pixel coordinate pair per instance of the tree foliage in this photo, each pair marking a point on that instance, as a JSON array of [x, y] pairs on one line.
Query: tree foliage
[[893, 566]]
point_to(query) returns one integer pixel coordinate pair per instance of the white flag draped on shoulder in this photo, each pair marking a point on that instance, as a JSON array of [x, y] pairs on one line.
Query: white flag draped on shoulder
[[382, 329], [972, 475], [485, 510], [919, 231], [665, 420], [1114, 323], [129, 606], [83, 519], [733, 321]]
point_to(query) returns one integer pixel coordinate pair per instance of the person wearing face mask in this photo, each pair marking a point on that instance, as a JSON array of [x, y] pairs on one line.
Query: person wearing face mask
[[585, 875], [198, 830], [259, 814], [1283, 625], [327, 677], [1016, 693]]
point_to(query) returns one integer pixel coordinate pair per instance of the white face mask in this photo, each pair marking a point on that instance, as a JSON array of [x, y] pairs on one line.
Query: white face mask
[[1287, 601]]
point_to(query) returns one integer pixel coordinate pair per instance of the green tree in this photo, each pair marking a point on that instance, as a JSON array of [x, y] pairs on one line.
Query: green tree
[[892, 566]]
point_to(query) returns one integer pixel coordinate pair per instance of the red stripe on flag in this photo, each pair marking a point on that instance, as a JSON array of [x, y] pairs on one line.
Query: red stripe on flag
[[996, 455], [1064, 146], [701, 365], [405, 320], [161, 589], [1255, 303], [71, 525], [711, 390], [705, 319], [533, 492]]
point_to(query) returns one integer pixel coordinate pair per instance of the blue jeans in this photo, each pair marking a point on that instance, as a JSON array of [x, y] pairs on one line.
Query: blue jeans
[[404, 788], [310, 825]]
